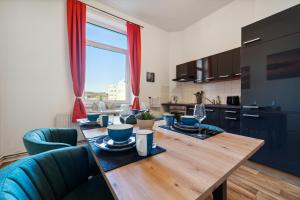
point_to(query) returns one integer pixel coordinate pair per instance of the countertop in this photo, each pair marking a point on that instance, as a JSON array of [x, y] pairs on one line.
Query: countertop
[[206, 105]]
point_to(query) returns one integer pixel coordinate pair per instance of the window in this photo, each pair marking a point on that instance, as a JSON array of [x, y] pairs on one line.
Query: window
[[107, 75]]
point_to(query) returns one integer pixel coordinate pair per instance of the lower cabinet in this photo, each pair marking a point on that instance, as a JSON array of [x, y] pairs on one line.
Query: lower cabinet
[[230, 120], [225, 118], [212, 116]]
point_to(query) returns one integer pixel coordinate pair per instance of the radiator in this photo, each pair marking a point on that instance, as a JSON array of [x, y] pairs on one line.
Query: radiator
[[64, 121]]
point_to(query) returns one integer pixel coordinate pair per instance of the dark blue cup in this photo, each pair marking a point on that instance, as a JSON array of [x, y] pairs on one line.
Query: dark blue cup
[[135, 111], [103, 120], [92, 117], [169, 118], [120, 132], [188, 120]]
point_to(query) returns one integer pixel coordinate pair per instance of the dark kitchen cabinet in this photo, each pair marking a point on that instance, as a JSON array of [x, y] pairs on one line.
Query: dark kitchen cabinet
[[230, 120], [278, 25], [270, 89], [212, 116], [210, 68], [236, 67], [186, 71], [225, 64], [190, 110], [181, 70], [222, 66]]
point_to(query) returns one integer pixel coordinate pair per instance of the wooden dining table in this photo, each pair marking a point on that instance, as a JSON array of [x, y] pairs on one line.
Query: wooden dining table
[[189, 169]]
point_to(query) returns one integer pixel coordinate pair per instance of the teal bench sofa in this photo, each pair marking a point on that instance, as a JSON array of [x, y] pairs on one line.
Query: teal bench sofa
[[45, 139], [52, 175]]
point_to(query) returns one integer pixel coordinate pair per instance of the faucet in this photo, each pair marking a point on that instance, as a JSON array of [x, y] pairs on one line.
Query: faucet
[[211, 101]]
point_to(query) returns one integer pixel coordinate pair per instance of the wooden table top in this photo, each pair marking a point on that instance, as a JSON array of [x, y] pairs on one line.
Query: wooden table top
[[190, 168]]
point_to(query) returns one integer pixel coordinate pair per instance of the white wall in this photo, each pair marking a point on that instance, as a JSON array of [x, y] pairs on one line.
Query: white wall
[[35, 81], [213, 34]]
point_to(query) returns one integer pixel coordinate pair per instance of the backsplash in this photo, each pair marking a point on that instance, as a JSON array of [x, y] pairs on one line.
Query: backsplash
[[186, 91]]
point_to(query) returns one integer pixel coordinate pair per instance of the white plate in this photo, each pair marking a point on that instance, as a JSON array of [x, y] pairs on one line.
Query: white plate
[[107, 148], [112, 143]]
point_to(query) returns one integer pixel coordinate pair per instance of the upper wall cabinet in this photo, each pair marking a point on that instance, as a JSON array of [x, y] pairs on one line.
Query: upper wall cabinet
[[222, 66], [236, 69], [186, 72], [272, 27], [225, 64]]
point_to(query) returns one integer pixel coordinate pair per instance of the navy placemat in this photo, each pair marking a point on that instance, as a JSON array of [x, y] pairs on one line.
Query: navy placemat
[[89, 126], [112, 160], [209, 134]]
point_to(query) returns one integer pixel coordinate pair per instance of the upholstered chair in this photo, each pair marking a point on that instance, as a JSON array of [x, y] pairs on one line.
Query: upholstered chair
[[58, 174], [45, 139]]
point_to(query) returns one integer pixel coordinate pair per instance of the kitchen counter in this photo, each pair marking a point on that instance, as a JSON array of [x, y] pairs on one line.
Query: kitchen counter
[[206, 105]]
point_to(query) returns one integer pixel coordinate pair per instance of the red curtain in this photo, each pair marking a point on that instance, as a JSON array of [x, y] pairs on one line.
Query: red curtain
[[76, 19], [134, 54]]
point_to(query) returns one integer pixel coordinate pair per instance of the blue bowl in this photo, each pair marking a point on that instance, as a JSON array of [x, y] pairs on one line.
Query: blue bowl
[[92, 117], [120, 132], [188, 120]]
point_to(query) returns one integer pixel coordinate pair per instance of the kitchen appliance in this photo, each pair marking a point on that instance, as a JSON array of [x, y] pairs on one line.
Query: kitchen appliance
[[233, 100], [270, 66]]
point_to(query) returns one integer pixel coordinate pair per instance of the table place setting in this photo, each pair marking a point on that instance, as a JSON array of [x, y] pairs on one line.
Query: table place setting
[[191, 125], [123, 145], [94, 121]]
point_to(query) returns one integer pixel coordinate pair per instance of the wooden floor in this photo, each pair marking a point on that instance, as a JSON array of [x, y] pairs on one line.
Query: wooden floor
[[4, 164], [253, 181]]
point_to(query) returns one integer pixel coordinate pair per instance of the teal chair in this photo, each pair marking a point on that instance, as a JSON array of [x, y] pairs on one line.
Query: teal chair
[[52, 175], [45, 139]]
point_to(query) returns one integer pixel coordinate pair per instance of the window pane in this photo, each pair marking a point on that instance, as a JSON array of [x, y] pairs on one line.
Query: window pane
[[105, 75], [105, 36]]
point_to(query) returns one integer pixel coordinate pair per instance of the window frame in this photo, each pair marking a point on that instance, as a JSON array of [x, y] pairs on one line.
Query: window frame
[[114, 49]]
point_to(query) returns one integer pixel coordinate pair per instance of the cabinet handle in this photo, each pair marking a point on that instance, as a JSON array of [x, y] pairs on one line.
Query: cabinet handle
[[209, 110], [224, 76], [191, 108], [248, 115], [231, 118], [210, 78], [254, 107], [230, 111], [237, 74], [253, 40], [182, 74]]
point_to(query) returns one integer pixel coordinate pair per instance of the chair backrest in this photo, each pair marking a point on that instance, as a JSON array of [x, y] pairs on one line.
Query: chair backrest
[[42, 134], [49, 175], [44, 139]]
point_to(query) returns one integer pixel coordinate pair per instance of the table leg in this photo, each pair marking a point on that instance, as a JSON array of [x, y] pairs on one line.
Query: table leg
[[221, 192]]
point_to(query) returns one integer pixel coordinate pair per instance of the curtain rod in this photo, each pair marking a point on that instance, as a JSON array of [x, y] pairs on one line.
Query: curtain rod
[[112, 14]]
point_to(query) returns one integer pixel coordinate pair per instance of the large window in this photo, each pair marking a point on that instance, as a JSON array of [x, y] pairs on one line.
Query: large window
[[106, 65]]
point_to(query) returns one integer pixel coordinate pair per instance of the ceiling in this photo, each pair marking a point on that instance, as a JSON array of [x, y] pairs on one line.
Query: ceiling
[[170, 15]]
